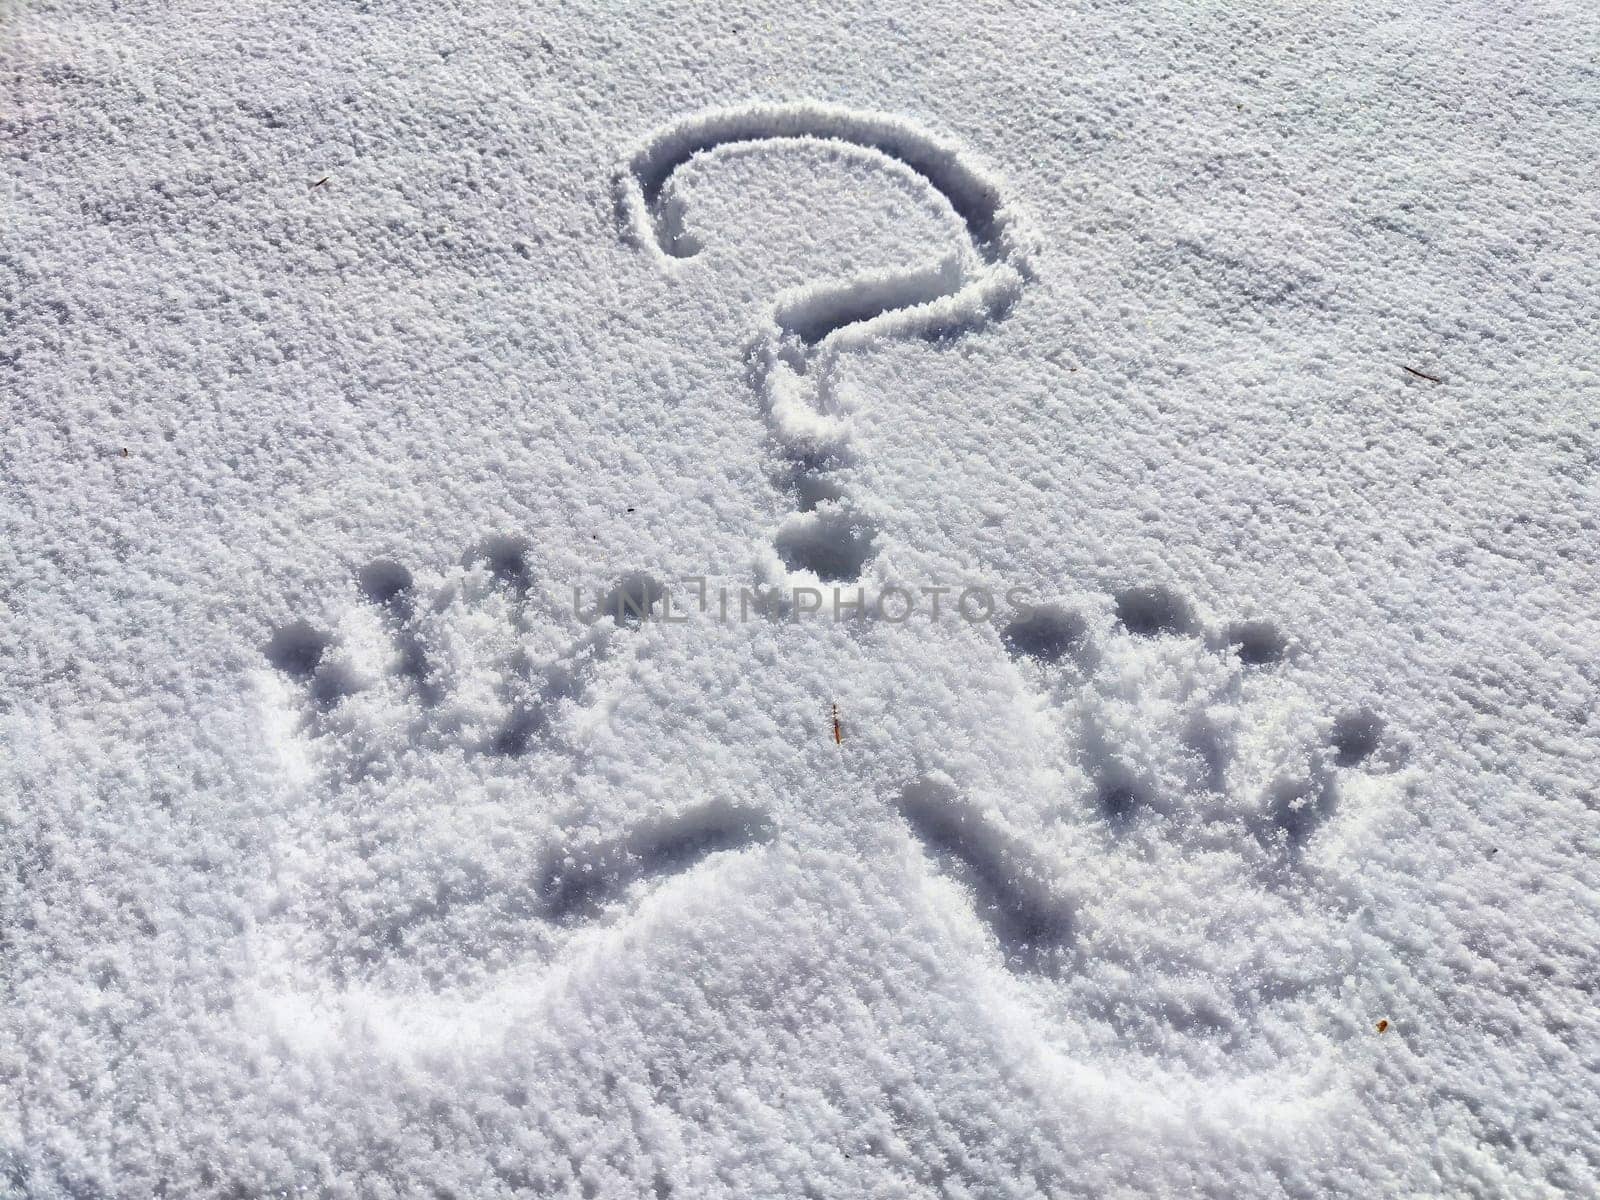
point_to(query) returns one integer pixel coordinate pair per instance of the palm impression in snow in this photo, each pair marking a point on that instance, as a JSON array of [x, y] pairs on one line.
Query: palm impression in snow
[[803, 333], [1185, 766], [435, 721]]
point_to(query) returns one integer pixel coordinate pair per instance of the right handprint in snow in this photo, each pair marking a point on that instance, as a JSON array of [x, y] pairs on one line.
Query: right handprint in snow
[[1173, 890]]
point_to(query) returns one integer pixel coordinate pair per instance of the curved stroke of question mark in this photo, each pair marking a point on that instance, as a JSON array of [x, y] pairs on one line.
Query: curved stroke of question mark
[[805, 330]]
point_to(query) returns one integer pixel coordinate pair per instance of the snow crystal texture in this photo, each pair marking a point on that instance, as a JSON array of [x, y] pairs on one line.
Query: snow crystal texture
[[1250, 852]]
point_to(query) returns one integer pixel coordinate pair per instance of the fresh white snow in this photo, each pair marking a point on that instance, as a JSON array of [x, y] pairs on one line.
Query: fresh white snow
[[439, 439]]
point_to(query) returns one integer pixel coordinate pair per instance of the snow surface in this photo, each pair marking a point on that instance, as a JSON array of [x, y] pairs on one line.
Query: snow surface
[[1254, 344]]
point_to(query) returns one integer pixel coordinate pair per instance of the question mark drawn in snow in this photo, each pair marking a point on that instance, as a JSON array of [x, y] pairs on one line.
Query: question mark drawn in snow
[[805, 330]]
